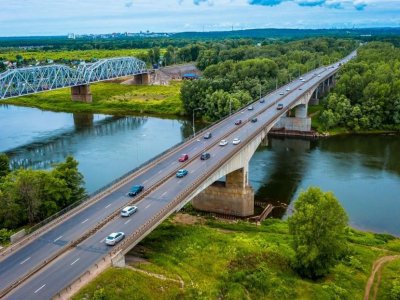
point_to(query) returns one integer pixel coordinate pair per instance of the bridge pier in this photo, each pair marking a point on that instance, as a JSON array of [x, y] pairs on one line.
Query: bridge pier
[[301, 122], [233, 197], [141, 79], [81, 93], [118, 261]]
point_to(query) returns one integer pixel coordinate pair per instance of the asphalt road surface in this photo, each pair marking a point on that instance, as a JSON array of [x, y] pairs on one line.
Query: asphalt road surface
[[62, 271]]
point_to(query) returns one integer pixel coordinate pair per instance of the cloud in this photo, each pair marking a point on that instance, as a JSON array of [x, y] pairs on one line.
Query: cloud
[[336, 4], [198, 2]]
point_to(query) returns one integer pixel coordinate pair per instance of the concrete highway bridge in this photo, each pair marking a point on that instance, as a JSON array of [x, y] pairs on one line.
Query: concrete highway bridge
[[60, 256], [32, 80]]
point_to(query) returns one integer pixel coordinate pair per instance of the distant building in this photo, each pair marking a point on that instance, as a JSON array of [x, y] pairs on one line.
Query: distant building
[[190, 76], [71, 36]]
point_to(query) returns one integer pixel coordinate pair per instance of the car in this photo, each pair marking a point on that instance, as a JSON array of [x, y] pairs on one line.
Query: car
[[288, 88], [223, 142], [136, 189], [300, 88], [238, 122], [302, 80], [281, 93], [319, 75], [183, 157], [254, 120], [208, 135], [250, 107], [235, 141], [114, 238], [262, 100], [205, 156], [128, 211], [181, 173], [279, 106]]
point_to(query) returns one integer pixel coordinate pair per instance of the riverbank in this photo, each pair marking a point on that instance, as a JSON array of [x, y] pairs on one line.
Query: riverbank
[[195, 258], [111, 99], [314, 112]]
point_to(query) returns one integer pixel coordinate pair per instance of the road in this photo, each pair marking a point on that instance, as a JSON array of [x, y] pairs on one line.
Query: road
[[59, 273]]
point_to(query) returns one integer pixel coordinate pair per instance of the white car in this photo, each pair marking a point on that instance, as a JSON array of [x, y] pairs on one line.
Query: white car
[[288, 88], [235, 141], [128, 211], [223, 143], [281, 93], [302, 80], [114, 238]]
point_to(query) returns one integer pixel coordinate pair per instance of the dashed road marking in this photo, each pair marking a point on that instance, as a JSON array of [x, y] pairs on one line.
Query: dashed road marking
[[85, 221], [75, 261], [127, 221], [147, 206], [163, 194], [24, 261], [102, 240], [108, 206], [58, 238], [40, 288]]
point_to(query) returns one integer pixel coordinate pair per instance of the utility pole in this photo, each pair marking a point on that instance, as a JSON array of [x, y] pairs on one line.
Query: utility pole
[[194, 130], [230, 106]]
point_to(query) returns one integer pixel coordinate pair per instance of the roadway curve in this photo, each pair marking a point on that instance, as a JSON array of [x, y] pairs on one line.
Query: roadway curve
[[163, 187]]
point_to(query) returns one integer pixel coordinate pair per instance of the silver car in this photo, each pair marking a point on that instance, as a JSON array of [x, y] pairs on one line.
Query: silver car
[[128, 211], [114, 238], [223, 143]]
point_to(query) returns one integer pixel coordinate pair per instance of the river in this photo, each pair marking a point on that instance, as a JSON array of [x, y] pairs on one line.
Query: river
[[362, 171]]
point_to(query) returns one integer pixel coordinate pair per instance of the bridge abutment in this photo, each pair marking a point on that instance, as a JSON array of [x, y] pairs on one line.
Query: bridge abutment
[[118, 261], [233, 197], [81, 93]]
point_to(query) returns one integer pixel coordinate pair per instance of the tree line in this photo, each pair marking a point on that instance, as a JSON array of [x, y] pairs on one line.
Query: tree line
[[237, 73], [30, 196], [367, 93]]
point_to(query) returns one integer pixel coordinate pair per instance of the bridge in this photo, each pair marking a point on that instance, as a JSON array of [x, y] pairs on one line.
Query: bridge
[[32, 80], [60, 256]]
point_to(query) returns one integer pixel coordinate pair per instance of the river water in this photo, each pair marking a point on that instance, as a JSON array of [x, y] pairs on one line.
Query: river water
[[362, 171]]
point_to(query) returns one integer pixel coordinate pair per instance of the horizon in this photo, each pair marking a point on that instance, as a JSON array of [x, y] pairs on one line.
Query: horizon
[[54, 18]]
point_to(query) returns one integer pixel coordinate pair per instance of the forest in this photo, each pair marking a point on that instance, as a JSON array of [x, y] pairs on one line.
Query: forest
[[30, 196], [236, 74], [367, 93]]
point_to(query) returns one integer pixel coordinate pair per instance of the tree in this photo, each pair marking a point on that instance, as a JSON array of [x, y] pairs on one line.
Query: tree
[[318, 227], [68, 171], [4, 165]]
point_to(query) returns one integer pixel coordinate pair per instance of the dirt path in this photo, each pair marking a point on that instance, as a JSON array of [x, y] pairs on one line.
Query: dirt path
[[377, 268], [159, 276]]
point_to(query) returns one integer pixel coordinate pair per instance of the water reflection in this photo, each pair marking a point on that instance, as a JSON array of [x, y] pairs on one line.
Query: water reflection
[[362, 171]]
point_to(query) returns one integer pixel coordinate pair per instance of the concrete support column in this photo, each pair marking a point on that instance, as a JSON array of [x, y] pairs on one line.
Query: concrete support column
[[234, 197], [141, 79], [118, 261], [83, 120], [264, 142], [301, 111], [81, 93]]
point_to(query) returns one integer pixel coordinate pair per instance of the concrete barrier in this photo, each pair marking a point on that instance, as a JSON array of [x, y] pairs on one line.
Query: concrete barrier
[[17, 236]]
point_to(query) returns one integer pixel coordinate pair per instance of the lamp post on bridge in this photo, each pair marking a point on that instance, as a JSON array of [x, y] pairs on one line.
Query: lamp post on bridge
[[198, 108]]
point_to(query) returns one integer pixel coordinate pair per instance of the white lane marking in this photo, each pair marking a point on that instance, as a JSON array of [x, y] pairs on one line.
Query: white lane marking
[[102, 240], [24, 261], [40, 288], [127, 221], [159, 171], [163, 194], [75, 261], [108, 206], [85, 221], [179, 181], [145, 181], [58, 238], [147, 206]]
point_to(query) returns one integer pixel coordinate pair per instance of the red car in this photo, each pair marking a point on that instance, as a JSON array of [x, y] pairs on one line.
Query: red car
[[184, 157], [238, 122]]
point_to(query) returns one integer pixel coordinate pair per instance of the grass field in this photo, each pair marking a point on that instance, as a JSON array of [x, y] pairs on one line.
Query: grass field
[[69, 55], [111, 98], [220, 260]]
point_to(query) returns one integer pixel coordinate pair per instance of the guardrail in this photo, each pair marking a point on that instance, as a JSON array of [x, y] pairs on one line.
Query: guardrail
[[164, 212]]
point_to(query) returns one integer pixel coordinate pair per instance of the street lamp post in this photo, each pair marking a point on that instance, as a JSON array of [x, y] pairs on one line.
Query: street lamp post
[[260, 91], [194, 130], [230, 106]]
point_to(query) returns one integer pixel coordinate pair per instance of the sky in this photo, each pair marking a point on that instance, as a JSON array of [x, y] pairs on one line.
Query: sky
[[55, 17]]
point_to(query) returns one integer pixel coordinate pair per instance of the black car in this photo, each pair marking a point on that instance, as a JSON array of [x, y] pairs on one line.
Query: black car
[[205, 156], [262, 100], [238, 122], [254, 120], [208, 135], [136, 189]]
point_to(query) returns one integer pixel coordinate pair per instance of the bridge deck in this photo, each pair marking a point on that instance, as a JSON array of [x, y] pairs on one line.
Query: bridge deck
[[164, 194]]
